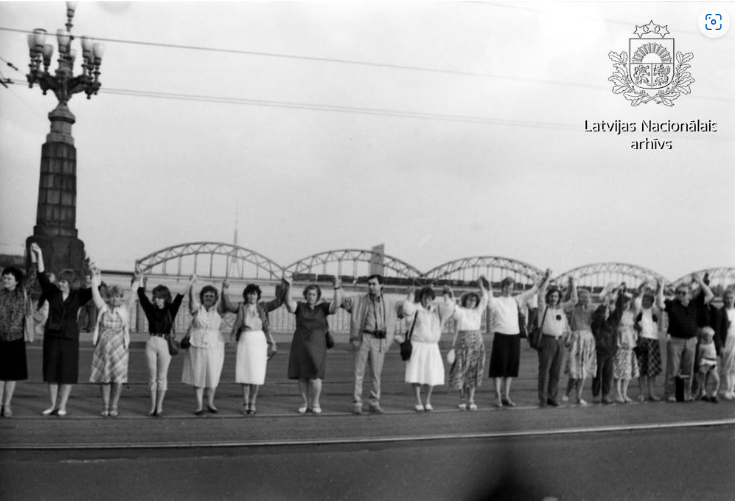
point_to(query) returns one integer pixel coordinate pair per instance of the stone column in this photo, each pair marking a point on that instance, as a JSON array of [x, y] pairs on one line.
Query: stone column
[[55, 230]]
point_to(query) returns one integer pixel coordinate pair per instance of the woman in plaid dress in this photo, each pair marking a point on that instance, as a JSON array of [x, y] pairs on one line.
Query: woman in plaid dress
[[111, 339]]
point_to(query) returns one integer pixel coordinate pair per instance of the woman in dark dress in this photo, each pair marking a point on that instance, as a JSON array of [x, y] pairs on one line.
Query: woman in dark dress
[[14, 301], [308, 356], [61, 336]]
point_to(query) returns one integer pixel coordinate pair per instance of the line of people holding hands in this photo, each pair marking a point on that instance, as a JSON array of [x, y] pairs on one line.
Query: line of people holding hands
[[611, 343]]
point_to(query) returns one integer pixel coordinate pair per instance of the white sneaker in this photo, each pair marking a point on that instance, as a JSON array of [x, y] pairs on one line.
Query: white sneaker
[[564, 398]]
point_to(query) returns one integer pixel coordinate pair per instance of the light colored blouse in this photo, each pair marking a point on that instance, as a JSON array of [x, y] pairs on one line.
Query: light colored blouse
[[429, 322], [470, 319], [205, 332]]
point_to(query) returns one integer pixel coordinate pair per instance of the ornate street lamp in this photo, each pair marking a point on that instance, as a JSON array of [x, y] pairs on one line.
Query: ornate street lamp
[[55, 230]]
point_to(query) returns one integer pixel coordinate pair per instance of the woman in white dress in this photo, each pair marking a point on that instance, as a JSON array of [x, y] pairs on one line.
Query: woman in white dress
[[206, 356], [425, 367], [251, 332]]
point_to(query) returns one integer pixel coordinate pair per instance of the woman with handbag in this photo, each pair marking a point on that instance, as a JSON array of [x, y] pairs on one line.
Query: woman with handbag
[[468, 367], [111, 340], [206, 355], [505, 355], [161, 314], [308, 356], [15, 331], [425, 366], [554, 330], [255, 344]]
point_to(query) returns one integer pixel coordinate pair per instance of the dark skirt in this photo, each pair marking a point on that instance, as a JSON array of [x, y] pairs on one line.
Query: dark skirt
[[13, 366], [60, 360], [505, 357], [308, 356]]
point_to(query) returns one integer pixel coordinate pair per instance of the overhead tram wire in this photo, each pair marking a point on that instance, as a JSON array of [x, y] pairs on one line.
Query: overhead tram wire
[[358, 63], [334, 108]]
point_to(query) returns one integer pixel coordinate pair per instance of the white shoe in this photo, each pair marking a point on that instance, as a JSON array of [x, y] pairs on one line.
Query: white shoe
[[564, 398]]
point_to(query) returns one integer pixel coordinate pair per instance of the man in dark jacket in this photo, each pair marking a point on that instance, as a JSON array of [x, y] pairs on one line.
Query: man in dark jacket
[[605, 321]]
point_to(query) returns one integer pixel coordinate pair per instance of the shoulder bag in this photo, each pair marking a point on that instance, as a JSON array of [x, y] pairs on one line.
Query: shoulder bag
[[173, 344], [534, 338], [406, 345], [186, 341]]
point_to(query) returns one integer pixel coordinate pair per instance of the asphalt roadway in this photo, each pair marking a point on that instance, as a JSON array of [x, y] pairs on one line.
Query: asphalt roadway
[[655, 451]]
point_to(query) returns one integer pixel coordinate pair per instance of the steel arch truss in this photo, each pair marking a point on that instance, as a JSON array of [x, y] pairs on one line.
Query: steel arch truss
[[720, 278], [597, 275], [320, 264], [494, 268], [214, 259]]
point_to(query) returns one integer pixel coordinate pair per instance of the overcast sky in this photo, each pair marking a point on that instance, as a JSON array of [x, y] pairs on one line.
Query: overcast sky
[[492, 157]]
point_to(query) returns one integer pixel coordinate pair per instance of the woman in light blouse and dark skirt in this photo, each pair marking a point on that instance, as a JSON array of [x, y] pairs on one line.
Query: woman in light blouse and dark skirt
[[61, 336], [161, 316], [251, 332]]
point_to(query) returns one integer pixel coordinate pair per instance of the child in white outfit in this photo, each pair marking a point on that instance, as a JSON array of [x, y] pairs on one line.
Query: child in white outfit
[[708, 364]]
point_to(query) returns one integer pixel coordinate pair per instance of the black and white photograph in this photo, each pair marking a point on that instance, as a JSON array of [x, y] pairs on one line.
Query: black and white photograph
[[367, 250]]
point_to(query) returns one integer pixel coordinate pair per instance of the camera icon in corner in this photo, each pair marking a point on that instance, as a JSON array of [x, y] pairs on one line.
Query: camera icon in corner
[[714, 21]]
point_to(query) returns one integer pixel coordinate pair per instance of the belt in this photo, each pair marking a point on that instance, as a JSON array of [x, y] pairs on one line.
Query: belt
[[162, 335], [553, 336], [370, 331]]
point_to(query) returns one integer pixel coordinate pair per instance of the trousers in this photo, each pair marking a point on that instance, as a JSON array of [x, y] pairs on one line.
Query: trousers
[[370, 353], [679, 361], [603, 377], [550, 356], [156, 353]]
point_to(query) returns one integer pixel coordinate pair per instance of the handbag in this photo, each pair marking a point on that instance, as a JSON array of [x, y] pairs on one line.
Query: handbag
[[173, 344], [272, 350], [451, 356], [330, 339], [185, 342], [406, 345], [534, 337], [29, 326]]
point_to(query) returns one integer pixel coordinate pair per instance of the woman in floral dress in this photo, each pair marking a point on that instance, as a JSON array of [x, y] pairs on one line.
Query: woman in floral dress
[[466, 372], [582, 358], [625, 365]]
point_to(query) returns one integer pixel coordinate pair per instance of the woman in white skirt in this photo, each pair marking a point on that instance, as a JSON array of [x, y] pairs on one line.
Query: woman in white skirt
[[251, 331], [425, 367], [206, 356]]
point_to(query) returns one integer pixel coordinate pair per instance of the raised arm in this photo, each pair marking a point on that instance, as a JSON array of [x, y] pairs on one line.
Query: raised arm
[[96, 281], [130, 303], [484, 297], [543, 283], [193, 301], [337, 299], [569, 305], [288, 297], [409, 306], [276, 302], [225, 304], [708, 294], [660, 303], [446, 309]]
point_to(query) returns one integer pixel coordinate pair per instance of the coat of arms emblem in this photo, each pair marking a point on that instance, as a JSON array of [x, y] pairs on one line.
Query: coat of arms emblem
[[651, 70]]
